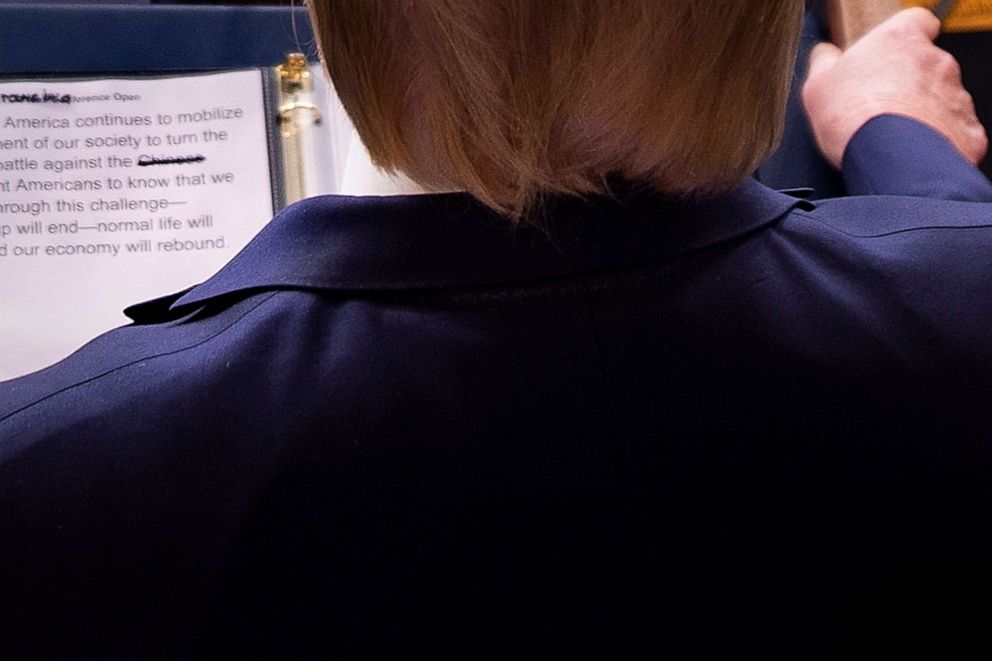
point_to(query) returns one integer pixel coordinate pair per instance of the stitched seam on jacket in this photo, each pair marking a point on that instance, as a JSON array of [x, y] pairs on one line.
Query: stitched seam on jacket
[[921, 228], [136, 361]]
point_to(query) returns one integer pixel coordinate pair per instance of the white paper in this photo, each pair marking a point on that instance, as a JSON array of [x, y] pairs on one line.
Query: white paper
[[332, 138], [342, 165], [117, 191]]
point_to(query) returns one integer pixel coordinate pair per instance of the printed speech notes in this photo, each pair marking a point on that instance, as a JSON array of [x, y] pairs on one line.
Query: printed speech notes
[[117, 191]]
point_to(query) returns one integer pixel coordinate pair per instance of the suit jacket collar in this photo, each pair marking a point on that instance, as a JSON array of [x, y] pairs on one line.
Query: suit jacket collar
[[450, 240]]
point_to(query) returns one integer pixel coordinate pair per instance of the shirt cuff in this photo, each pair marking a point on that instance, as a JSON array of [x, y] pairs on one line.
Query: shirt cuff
[[897, 155]]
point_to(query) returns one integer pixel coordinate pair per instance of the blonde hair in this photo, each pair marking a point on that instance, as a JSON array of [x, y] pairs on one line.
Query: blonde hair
[[515, 99]]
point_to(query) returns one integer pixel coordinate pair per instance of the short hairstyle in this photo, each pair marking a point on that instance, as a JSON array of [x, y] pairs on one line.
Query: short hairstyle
[[512, 100]]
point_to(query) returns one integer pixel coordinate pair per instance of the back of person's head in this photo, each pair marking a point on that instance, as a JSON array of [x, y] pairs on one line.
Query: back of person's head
[[514, 99]]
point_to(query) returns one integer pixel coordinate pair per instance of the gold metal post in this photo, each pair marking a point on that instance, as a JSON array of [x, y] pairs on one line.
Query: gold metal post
[[297, 115]]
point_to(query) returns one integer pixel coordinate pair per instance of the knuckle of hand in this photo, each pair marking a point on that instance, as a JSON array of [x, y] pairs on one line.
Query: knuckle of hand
[[948, 66], [929, 57], [977, 143], [906, 31], [968, 101]]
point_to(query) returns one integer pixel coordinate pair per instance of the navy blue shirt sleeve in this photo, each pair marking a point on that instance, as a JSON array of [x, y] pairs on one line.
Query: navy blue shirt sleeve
[[895, 155]]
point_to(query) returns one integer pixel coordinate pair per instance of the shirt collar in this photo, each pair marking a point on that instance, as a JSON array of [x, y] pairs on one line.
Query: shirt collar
[[451, 240]]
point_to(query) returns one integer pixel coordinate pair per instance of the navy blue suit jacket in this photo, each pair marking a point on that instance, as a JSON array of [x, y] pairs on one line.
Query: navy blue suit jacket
[[743, 426]]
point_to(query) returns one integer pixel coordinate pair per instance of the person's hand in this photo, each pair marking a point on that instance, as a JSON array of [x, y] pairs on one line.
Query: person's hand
[[894, 69]]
